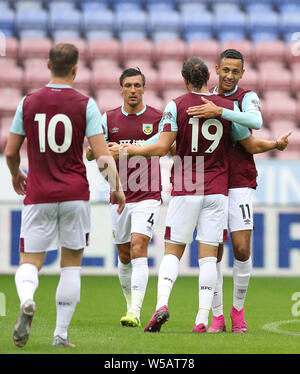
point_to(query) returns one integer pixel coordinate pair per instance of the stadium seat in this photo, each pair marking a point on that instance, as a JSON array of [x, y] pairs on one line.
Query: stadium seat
[[93, 4], [170, 74], [36, 74], [151, 98], [36, 48], [250, 80], [289, 24], [171, 94], [192, 7], [160, 22], [5, 125], [292, 51], [97, 22], [9, 100], [83, 79], [106, 78], [206, 49], [10, 46], [279, 127], [126, 6], [141, 63], [280, 80], [140, 49], [263, 26], [273, 50], [289, 7], [257, 6], [11, 75], [108, 99], [105, 63], [104, 49], [31, 18], [285, 108], [135, 20], [288, 155], [165, 50], [197, 25], [7, 22]]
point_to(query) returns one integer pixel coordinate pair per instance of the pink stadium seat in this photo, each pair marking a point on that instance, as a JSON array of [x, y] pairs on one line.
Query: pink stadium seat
[[138, 49], [108, 78], [288, 155], [5, 125], [169, 49], [108, 99], [34, 48], [9, 100], [270, 65], [105, 63], [243, 46], [295, 86], [11, 75], [285, 108], [169, 95], [267, 50], [170, 74], [250, 80], [12, 47], [206, 49], [36, 74], [292, 52], [83, 79], [141, 63], [151, 98], [104, 48], [275, 79], [279, 127]]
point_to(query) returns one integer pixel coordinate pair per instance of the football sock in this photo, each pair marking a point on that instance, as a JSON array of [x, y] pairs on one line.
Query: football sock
[[26, 280], [168, 272], [67, 297], [139, 280], [207, 283], [241, 277], [217, 303], [124, 273]]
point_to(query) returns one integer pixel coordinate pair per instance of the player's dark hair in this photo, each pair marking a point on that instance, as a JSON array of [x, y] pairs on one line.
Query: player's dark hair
[[63, 57], [195, 71], [231, 53], [131, 72]]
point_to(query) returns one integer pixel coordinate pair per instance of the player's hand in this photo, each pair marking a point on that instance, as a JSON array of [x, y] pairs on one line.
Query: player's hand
[[118, 197], [207, 110], [115, 150], [283, 141], [89, 154], [19, 183]]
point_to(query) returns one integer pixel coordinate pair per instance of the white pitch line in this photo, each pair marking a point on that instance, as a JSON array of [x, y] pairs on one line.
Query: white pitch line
[[274, 327]]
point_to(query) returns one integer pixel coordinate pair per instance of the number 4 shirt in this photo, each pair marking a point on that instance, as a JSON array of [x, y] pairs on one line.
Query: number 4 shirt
[[55, 119], [201, 144]]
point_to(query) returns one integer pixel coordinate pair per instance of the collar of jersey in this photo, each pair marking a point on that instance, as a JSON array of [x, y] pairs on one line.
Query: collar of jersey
[[58, 85], [137, 114], [202, 93], [227, 93]]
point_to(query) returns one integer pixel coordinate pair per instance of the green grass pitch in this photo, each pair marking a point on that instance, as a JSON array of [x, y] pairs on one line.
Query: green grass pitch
[[95, 328]]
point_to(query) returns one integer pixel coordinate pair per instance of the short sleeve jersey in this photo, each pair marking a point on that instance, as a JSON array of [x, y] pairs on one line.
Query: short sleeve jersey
[[140, 177], [55, 119], [202, 145]]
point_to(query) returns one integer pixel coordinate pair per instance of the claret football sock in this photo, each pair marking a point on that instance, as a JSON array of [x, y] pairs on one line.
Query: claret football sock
[[124, 273], [67, 297], [217, 303], [139, 281], [241, 277], [26, 279], [168, 273], [207, 283]]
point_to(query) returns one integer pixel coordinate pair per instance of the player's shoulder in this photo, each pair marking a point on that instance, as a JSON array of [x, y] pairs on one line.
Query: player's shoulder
[[242, 92], [114, 111], [154, 112], [221, 101]]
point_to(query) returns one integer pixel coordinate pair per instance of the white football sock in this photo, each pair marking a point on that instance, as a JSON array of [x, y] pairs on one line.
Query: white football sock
[[26, 279], [168, 273], [217, 303], [67, 297], [124, 273], [139, 280], [241, 277], [207, 283]]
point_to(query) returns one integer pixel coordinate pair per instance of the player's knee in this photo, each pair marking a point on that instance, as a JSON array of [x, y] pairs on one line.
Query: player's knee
[[124, 257], [242, 253], [139, 247]]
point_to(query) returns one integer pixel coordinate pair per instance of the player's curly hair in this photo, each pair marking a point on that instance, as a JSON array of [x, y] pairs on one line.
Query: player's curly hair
[[195, 71]]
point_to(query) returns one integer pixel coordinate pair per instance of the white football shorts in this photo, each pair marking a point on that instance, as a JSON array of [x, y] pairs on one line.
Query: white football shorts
[[207, 214], [240, 209], [49, 226], [140, 217]]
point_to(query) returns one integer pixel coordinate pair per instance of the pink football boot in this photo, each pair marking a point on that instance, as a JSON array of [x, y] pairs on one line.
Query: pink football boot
[[238, 320], [217, 324]]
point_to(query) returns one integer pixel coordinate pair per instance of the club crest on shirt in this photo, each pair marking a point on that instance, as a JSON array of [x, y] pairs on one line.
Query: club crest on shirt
[[147, 128]]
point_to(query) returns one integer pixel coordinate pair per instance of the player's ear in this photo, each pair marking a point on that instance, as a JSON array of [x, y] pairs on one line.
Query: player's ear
[[48, 64]]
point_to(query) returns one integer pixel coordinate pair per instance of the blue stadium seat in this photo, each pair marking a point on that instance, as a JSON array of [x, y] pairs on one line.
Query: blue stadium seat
[[132, 35], [101, 22], [32, 34], [198, 35], [263, 26], [166, 21], [289, 7], [61, 6], [246, 3], [7, 22], [127, 6], [65, 34], [191, 8], [159, 6], [231, 35], [165, 35], [93, 4], [258, 7], [226, 8], [289, 24], [193, 24], [31, 18], [234, 22], [135, 20], [99, 35]]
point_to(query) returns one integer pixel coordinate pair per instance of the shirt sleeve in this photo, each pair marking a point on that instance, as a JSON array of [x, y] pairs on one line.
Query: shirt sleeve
[[168, 121], [93, 119], [250, 116], [17, 126], [104, 126], [239, 132]]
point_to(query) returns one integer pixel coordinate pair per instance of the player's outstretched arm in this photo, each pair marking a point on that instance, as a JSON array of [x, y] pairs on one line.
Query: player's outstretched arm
[[255, 145], [107, 167], [12, 154]]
